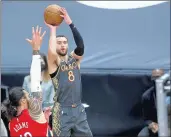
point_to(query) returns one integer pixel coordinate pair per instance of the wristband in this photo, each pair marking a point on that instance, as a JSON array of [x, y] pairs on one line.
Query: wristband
[[35, 52]]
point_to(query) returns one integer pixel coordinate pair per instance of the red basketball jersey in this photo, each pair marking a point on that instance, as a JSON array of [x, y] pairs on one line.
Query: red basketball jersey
[[24, 126]]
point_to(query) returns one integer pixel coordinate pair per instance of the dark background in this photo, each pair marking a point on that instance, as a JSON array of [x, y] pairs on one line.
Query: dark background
[[114, 100]]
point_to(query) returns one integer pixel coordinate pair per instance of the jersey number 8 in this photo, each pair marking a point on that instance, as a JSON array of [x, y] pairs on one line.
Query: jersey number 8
[[71, 76]]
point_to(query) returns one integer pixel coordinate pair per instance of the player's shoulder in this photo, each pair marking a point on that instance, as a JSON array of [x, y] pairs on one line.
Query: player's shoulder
[[71, 55], [12, 121]]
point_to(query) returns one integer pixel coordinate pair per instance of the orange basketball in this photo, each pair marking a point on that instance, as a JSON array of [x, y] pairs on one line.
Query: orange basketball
[[52, 15]]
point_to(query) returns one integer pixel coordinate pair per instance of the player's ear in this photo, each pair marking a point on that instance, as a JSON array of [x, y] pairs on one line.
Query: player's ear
[[23, 101]]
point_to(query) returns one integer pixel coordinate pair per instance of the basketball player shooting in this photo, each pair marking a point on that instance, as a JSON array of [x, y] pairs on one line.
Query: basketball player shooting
[[69, 116]]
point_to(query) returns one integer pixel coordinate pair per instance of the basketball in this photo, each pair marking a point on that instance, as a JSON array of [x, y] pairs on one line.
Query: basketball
[[52, 15]]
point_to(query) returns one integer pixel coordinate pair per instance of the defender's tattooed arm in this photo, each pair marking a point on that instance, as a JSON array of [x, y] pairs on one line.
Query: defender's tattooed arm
[[35, 99]]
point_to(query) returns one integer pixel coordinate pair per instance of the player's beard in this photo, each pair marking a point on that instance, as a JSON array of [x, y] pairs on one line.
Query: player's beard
[[61, 53]]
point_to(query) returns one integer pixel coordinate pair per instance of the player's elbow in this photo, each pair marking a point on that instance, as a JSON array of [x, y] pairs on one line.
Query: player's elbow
[[79, 51]]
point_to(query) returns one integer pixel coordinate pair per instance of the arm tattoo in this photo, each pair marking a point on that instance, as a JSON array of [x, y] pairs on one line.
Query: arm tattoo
[[35, 101], [35, 105]]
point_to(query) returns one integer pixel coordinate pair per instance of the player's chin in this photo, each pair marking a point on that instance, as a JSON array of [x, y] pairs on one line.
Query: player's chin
[[63, 53]]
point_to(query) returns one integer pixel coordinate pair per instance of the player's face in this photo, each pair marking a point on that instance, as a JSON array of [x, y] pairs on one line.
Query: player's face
[[62, 46]]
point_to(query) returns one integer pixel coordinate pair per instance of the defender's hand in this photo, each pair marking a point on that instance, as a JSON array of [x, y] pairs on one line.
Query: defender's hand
[[37, 38], [66, 16]]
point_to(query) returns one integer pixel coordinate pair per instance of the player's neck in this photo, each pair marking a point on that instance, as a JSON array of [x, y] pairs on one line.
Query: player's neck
[[19, 110], [64, 58]]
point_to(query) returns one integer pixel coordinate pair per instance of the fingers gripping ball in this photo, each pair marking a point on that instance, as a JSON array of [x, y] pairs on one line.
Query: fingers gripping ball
[[52, 15]]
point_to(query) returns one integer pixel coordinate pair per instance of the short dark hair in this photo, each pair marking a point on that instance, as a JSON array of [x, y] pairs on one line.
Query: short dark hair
[[61, 36]]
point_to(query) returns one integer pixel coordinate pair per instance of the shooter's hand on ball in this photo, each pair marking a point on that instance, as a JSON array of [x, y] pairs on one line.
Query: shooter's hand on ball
[[37, 38], [66, 16]]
